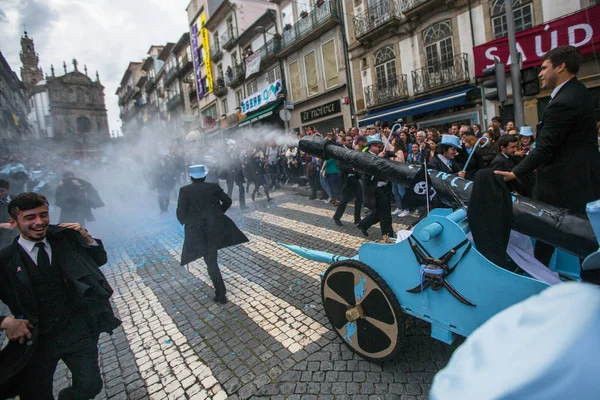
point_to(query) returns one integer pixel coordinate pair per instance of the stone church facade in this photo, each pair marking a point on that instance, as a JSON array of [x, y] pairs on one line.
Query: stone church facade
[[69, 108]]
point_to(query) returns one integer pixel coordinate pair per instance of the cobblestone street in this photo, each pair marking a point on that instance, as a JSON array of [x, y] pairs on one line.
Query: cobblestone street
[[272, 340]]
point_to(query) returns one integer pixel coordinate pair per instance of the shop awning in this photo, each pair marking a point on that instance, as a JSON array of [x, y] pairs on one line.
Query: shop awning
[[417, 107], [258, 115]]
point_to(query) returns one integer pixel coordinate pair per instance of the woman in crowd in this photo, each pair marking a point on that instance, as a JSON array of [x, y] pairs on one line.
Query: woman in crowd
[[527, 141], [432, 143], [404, 143], [415, 156]]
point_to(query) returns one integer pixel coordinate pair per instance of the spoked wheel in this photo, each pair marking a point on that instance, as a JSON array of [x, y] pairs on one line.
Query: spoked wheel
[[362, 309]]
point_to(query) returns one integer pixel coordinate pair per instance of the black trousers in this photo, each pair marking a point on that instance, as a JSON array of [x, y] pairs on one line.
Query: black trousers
[[210, 258], [382, 212], [240, 185], [77, 348], [164, 197], [352, 190]]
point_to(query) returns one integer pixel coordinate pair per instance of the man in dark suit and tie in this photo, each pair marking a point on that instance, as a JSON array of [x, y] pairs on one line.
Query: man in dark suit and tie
[[59, 300], [566, 159]]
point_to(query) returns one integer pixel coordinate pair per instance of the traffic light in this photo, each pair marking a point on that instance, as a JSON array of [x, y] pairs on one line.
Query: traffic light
[[530, 81], [498, 84]]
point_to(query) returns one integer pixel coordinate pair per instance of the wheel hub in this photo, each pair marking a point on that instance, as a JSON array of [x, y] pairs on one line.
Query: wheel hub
[[354, 313]]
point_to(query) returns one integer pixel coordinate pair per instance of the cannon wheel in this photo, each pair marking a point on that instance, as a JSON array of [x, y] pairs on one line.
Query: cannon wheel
[[363, 310]]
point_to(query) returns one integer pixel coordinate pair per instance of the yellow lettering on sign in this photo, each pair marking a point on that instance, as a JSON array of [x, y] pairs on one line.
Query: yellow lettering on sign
[[206, 47]]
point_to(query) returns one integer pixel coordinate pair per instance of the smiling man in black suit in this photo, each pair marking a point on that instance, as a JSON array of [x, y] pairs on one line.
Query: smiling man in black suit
[[59, 299], [566, 159]]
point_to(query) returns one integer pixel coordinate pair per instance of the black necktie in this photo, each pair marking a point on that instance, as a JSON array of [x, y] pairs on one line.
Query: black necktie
[[43, 261]]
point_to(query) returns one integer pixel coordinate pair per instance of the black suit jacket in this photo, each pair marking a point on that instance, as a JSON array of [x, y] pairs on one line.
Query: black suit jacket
[[89, 289], [437, 164], [566, 158], [201, 209]]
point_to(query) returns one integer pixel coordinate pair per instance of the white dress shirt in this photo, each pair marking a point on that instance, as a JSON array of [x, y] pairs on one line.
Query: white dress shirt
[[557, 89], [32, 251], [445, 160]]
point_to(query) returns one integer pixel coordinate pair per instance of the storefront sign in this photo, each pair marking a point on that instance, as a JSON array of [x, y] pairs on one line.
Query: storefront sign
[[259, 99], [196, 53], [252, 64], [206, 47], [581, 30], [321, 111]]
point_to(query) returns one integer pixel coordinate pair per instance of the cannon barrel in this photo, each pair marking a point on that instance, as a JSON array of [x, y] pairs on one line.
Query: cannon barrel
[[553, 225]]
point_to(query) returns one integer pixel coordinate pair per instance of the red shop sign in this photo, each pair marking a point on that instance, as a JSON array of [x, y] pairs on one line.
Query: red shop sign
[[581, 30]]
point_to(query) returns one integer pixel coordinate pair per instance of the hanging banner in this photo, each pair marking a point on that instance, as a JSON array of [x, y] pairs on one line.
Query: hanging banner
[[259, 99], [196, 53], [206, 47], [581, 30], [252, 64]]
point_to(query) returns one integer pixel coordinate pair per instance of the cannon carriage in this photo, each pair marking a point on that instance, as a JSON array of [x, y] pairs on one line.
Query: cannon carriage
[[436, 273]]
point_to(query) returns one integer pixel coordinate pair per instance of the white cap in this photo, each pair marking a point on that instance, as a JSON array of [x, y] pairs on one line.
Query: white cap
[[546, 347]]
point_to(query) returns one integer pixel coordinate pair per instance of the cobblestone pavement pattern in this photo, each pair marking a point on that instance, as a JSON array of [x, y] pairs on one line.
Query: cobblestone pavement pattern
[[272, 340]]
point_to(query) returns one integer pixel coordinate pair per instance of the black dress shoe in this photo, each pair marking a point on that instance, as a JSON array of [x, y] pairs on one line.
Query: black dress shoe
[[363, 230], [220, 300], [338, 222]]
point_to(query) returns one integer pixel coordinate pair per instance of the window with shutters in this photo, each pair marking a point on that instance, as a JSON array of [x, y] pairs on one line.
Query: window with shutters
[[522, 15], [294, 72], [330, 67], [312, 79]]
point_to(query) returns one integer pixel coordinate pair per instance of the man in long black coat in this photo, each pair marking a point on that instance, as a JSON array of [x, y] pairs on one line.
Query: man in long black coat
[[566, 159], [76, 198], [51, 282], [505, 161], [351, 188], [201, 209]]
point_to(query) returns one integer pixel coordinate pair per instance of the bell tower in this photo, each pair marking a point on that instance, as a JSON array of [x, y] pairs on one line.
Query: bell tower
[[31, 74]]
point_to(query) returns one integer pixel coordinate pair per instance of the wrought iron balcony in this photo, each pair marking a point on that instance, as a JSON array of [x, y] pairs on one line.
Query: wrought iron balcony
[[380, 16], [126, 95], [239, 73], [386, 91], [409, 6], [215, 52], [170, 75], [219, 87], [173, 101], [228, 39], [313, 25], [268, 52], [441, 74]]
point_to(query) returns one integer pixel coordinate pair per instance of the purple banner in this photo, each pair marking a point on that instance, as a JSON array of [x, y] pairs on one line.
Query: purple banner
[[195, 52]]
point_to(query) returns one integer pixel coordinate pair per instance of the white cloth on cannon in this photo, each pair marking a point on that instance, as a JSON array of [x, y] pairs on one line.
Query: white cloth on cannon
[[546, 347]]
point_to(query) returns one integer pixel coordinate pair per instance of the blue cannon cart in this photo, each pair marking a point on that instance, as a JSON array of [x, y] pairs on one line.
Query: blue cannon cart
[[436, 275]]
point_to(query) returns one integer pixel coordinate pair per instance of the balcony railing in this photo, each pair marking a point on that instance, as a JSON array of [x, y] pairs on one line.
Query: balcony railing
[[173, 101], [380, 14], [228, 39], [386, 91], [215, 52], [237, 77], [219, 87], [268, 51], [440, 74], [309, 27], [170, 75], [407, 6], [126, 95], [186, 65]]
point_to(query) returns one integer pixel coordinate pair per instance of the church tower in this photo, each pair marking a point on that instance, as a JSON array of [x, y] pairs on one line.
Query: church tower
[[31, 74]]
